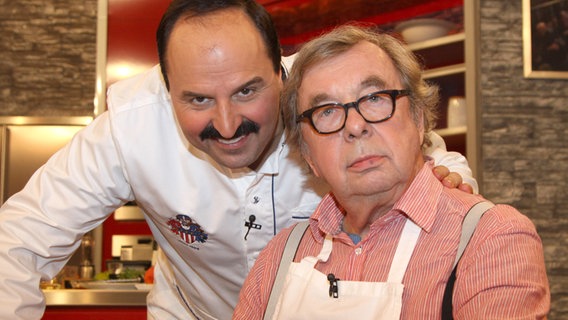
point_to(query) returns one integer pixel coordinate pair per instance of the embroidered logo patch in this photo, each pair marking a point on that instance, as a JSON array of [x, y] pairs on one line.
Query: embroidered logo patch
[[186, 229]]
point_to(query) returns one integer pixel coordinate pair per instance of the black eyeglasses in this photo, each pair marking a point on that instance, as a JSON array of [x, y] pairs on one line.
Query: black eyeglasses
[[374, 108]]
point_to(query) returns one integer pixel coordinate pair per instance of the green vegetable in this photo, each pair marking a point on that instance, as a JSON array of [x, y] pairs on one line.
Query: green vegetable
[[125, 274], [102, 275], [131, 274]]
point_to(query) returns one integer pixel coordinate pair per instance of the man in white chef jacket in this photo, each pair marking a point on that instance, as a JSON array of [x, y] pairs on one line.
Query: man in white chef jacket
[[198, 143]]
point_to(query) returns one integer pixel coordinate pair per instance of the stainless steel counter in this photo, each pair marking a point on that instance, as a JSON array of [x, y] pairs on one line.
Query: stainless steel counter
[[91, 297]]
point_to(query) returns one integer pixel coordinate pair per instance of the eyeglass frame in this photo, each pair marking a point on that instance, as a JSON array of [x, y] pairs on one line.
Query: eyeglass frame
[[394, 95]]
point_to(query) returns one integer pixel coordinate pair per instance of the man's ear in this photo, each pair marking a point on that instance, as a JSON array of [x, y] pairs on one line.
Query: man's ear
[[308, 159]]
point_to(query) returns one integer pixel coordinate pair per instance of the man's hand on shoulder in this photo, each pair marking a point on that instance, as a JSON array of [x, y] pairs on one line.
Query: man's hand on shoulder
[[451, 179]]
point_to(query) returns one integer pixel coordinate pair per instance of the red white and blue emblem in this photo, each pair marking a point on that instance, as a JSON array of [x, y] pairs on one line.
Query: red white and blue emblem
[[186, 229]]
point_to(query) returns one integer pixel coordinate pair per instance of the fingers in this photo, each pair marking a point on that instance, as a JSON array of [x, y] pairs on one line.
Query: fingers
[[452, 180], [466, 188], [441, 172]]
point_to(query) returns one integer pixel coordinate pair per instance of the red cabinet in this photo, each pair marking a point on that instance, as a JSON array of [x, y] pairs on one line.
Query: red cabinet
[[95, 313]]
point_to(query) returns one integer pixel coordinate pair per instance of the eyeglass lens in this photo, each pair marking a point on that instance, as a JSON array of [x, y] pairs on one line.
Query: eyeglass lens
[[373, 108]]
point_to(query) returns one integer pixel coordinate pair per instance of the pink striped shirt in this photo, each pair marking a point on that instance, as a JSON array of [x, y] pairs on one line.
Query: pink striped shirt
[[501, 274]]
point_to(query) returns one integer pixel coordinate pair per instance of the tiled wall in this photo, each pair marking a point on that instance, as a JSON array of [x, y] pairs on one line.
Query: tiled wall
[[524, 127], [47, 57]]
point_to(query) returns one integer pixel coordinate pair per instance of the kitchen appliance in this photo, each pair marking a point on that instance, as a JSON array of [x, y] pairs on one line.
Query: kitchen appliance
[[87, 269], [26, 143], [134, 252]]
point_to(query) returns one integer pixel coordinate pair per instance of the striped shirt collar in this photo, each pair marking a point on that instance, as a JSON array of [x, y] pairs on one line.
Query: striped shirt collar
[[418, 203]]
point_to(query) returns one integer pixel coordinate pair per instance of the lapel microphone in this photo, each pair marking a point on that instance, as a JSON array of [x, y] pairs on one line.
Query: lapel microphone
[[250, 224]]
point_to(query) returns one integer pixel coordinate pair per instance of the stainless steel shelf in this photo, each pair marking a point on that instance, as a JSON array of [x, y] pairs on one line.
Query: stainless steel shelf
[[88, 297]]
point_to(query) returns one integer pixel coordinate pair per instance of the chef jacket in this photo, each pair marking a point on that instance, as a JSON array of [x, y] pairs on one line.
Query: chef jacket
[[196, 208]]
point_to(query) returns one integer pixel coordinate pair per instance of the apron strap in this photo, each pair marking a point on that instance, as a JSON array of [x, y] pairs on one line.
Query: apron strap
[[287, 257], [326, 249], [404, 251], [468, 227]]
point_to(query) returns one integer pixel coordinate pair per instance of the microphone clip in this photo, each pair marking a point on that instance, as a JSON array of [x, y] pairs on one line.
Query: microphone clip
[[251, 225], [333, 288]]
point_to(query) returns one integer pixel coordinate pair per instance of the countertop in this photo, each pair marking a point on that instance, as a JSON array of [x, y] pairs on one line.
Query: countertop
[[95, 297]]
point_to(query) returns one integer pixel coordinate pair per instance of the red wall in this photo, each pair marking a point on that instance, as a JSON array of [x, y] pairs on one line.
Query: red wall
[[132, 28]]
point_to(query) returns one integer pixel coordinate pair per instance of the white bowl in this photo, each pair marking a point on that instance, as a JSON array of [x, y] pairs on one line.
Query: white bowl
[[417, 30]]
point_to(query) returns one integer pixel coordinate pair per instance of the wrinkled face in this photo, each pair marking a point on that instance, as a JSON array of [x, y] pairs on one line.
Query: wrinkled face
[[362, 158], [223, 87]]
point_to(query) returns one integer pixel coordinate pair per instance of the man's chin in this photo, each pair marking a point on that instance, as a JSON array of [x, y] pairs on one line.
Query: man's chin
[[234, 163], [235, 159]]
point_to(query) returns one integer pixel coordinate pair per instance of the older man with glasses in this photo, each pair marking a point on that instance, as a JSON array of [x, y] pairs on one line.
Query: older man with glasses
[[383, 244]]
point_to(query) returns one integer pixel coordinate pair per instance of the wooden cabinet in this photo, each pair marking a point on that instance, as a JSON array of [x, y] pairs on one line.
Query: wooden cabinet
[[452, 63], [444, 62]]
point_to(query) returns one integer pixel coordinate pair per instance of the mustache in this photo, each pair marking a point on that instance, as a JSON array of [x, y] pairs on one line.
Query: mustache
[[245, 128]]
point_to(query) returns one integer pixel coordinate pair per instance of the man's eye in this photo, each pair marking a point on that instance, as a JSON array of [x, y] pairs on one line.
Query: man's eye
[[375, 99], [200, 100], [379, 98], [245, 92], [327, 112]]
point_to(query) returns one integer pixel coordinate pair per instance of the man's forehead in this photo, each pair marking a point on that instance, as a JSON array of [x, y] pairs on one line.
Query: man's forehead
[[209, 28], [220, 56], [365, 64]]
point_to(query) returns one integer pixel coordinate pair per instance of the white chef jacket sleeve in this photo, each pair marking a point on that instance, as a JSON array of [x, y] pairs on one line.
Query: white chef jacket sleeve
[[42, 225], [454, 161]]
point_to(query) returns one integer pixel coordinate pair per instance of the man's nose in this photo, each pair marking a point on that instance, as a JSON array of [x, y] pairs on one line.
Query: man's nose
[[226, 120], [355, 124]]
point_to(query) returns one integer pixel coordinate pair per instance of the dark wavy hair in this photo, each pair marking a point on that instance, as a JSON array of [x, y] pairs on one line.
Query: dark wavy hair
[[179, 9]]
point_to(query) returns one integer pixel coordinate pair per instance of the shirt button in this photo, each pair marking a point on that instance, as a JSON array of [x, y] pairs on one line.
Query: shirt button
[[358, 251]]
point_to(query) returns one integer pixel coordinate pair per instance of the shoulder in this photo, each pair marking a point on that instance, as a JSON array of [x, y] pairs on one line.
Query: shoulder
[[275, 247], [505, 233], [506, 219], [271, 256], [498, 218], [142, 89], [140, 107]]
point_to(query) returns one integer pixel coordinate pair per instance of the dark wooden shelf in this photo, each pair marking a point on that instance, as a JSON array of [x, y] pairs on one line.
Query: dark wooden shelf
[[440, 52]]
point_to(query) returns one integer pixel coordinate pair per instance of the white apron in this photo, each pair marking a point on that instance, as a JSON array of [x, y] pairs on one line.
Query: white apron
[[306, 291]]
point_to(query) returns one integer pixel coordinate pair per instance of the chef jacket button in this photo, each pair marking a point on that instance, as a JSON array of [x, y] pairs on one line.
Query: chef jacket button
[[358, 251]]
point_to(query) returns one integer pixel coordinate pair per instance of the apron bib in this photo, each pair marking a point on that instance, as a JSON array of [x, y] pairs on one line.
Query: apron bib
[[306, 291]]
